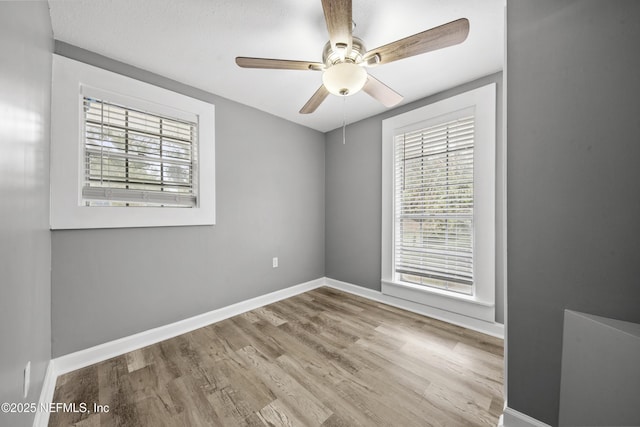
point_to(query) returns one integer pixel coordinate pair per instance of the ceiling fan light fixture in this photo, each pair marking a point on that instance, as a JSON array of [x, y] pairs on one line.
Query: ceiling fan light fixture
[[344, 56], [344, 79]]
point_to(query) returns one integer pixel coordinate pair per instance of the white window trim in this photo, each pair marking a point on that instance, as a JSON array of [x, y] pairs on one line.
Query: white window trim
[[480, 305], [67, 173]]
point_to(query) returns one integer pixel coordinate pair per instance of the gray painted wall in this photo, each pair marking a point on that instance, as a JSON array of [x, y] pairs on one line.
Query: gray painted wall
[[574, 181], [107, 284], [25, 250], [354, 196], [600, 375]]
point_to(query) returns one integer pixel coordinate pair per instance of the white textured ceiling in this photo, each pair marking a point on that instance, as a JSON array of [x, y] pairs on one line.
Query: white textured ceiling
[[196, 42]]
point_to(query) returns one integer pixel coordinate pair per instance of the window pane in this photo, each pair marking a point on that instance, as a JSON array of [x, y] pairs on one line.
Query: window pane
[[138, 151], [434, 206]]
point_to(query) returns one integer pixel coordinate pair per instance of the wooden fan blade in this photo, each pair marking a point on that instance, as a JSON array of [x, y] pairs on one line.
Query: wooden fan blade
[[277, 64], [315, 101], [380, 91], [445, 35], [337, 14]]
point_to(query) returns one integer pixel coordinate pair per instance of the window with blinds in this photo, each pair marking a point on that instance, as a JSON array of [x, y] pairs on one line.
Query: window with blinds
[[137, 158], [434, 206]]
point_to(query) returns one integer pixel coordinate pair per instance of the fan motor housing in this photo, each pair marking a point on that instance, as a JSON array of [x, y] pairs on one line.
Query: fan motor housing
[[331, 56]]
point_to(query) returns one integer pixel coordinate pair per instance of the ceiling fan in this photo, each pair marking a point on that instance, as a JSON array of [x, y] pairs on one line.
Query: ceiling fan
[[344, 57]]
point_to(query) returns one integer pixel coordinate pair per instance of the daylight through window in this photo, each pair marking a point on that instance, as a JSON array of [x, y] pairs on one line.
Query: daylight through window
[[434, 205], [137, 158]]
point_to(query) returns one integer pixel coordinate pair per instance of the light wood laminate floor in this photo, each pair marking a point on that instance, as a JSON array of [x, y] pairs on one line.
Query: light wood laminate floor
[[322, 358]]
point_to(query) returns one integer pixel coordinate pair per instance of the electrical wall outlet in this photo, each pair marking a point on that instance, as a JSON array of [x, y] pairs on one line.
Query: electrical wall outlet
[[275, 262], [27, 379]]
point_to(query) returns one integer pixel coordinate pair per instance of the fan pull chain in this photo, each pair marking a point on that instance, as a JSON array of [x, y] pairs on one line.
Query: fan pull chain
[[344, 120]]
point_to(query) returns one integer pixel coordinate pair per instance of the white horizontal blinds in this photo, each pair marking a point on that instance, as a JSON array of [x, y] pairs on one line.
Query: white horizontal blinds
[[137, 158], [434, 205]]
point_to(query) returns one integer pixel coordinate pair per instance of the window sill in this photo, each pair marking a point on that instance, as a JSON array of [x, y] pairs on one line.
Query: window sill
[[467, 305]]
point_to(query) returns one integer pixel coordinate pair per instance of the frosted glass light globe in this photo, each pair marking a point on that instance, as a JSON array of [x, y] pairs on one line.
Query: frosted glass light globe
[[344, 79]]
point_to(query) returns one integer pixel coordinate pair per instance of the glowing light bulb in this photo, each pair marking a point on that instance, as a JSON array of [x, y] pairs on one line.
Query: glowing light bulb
[[344, 79]]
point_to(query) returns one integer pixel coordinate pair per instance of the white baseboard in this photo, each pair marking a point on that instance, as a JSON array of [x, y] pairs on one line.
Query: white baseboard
[[46, 395], [493, 329], [513, 418], [80, 359]]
